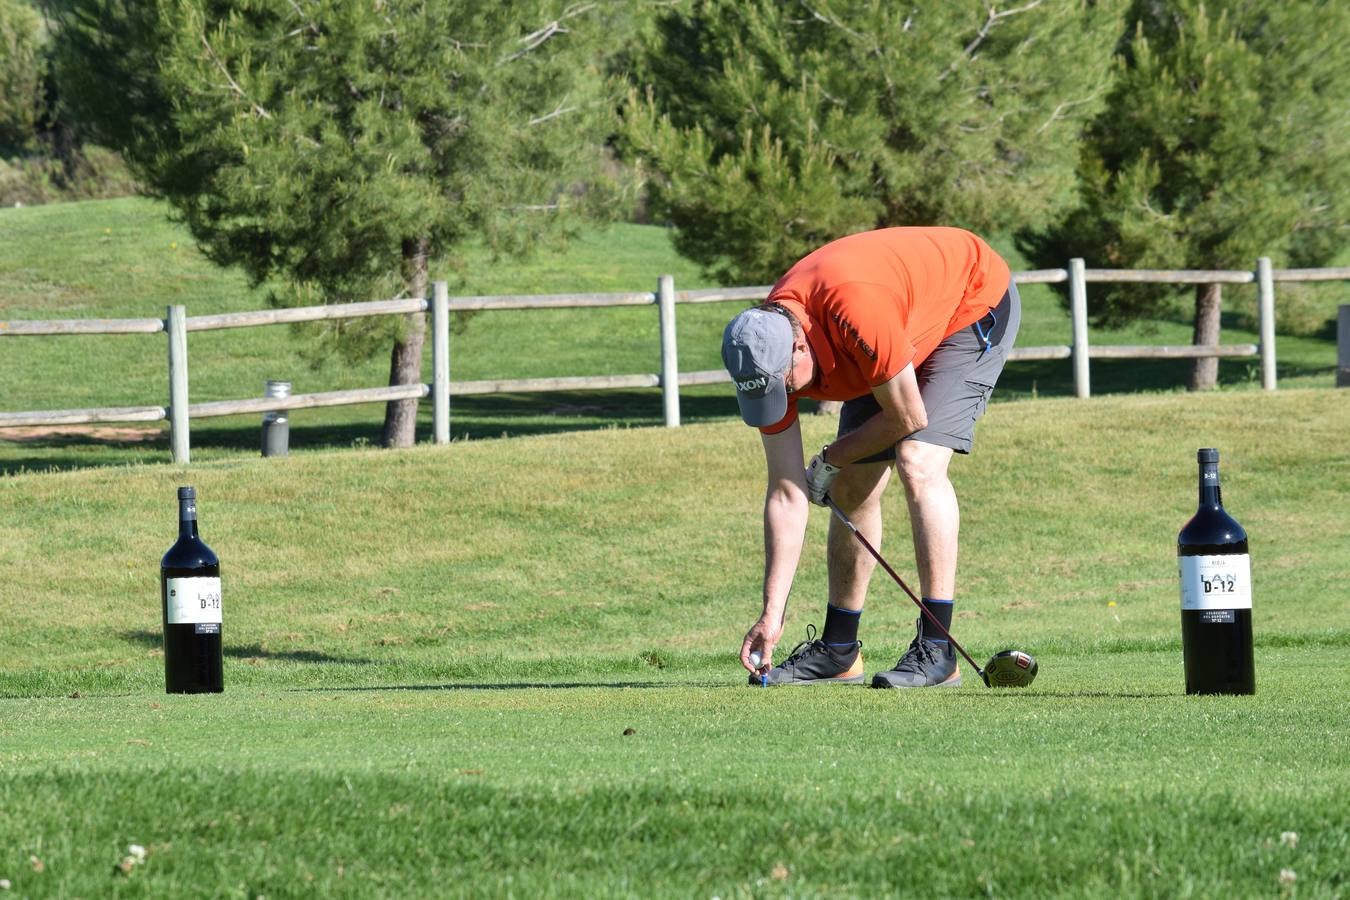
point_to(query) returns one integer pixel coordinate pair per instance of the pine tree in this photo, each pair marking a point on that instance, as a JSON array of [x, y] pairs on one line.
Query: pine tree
[[772, 126], [1226, 137], [22, 65], [336, 147]]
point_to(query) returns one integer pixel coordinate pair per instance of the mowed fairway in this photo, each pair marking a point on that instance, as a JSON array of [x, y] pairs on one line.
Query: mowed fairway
[[506, 667]]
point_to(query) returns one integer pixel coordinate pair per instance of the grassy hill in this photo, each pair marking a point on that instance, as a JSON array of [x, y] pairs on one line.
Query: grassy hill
[[506, 667], [555, 552], [125, 258]]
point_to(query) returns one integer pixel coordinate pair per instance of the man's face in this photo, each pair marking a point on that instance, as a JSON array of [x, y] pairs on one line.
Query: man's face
[[803, 368]]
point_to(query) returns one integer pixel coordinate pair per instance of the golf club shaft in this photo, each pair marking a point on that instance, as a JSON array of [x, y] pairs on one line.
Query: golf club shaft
[[839, 513]]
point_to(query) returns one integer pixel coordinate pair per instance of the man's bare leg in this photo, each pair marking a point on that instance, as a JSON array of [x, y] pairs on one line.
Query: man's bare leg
[[858, 491], [934, 515], [935, 521]]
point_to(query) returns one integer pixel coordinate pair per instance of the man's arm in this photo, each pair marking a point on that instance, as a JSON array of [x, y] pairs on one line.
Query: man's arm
[[785, 513], [902, 413]]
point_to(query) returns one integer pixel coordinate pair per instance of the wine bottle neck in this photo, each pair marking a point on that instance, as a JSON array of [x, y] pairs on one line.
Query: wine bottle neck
[[1209, 485], [187, 518]]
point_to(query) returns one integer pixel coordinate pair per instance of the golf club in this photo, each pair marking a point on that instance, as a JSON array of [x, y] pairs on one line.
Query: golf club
[[1007, 668]]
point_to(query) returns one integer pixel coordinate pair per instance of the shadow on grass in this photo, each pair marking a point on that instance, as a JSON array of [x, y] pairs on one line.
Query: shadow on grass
[[1010, 693], [478, 417], [67, 449], [1054, 378], [500, 415], [153, 640], [519, 686], [996, 694], [514, 415]]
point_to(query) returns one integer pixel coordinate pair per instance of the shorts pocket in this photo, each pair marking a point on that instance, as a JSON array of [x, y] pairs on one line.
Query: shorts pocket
[[979, 391]]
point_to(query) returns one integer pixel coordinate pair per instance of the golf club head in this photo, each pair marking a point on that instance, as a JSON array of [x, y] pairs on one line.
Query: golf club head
[[1010, 668]]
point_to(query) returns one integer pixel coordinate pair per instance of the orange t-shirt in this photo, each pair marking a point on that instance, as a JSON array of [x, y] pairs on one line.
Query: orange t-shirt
[[874, 302]]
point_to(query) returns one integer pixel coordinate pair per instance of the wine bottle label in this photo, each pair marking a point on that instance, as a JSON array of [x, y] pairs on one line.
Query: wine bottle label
[[193, 600], [1216, 582]]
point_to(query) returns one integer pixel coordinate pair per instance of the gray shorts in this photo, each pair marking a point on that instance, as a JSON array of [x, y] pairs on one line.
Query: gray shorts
[[955, 381]]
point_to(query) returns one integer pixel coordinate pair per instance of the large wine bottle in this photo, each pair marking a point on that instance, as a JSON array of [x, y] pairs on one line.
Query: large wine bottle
[[1216, 593], [189, 579]]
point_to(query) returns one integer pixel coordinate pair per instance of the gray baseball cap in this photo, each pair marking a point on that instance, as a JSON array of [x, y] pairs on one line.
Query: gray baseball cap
[[757, 351]]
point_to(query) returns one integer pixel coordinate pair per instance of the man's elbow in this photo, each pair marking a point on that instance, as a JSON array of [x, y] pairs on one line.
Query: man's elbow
[[909, 422]]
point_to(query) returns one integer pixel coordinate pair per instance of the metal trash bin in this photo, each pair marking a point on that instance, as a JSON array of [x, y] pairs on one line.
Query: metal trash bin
[[1343, 346], [276, 427]]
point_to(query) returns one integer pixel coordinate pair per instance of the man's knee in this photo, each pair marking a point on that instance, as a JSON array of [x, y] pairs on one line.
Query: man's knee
[[921, 466], [859, 485]]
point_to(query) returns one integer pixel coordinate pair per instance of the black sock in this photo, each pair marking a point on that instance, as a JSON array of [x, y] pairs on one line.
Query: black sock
[[841, 625], [942, 611]]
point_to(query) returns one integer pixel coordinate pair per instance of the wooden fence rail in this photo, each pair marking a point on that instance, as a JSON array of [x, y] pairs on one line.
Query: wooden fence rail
[[177, 324], [83, 326], [305, 314]]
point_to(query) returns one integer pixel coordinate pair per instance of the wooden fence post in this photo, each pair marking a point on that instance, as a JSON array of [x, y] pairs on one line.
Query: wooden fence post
[[670, 366], [1265, 286], [1078, 313], [176, 328], [440, 362], [1343, 346]]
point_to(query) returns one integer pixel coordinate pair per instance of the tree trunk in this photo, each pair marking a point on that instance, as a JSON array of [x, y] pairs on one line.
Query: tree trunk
[[1205, 370], [405, 361]]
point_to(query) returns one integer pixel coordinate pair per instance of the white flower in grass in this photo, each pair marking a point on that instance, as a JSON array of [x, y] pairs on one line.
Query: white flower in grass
[[136, 851], [1288, 838], [4, 884], [1287, 876]]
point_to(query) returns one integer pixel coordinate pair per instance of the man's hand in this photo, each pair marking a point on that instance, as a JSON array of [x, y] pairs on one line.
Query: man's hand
[[761, 638], [819, 476]]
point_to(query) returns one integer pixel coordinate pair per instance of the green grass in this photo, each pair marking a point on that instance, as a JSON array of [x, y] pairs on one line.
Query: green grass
[[719, 791], [124, 258], [433, 657]]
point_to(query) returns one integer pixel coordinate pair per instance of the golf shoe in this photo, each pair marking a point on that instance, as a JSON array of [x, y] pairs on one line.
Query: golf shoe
[[925, 664], [816, 662]]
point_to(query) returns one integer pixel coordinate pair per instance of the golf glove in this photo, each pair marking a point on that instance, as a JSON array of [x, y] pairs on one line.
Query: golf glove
[[819, 476]]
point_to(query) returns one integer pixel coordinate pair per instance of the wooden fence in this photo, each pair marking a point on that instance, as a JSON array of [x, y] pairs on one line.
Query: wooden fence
[[177, 324]]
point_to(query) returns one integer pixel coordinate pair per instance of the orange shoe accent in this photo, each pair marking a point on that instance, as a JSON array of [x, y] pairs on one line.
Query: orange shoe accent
[[855, 670]]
